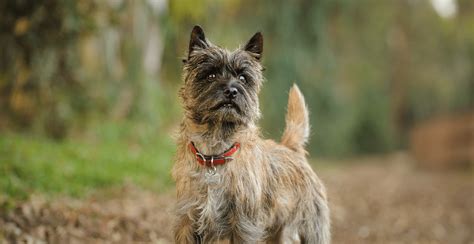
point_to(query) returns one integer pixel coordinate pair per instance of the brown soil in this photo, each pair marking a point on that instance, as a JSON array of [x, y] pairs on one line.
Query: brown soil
[[371, 202]]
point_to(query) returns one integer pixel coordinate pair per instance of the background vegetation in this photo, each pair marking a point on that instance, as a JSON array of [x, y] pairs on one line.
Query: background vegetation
[[88, 88]]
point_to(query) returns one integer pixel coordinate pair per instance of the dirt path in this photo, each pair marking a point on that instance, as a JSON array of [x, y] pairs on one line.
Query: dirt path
[[370, 203]]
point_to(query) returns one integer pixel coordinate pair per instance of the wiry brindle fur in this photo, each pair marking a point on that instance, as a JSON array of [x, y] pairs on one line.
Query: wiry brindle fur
[[268, 193]]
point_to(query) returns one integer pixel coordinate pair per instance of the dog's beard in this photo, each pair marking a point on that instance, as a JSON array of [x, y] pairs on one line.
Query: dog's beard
[[221, 112]]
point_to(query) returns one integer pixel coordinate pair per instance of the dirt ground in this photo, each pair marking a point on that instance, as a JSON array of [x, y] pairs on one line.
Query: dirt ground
[[372, 202]]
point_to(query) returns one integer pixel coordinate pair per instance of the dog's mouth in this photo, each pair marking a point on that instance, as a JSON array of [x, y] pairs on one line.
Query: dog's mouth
[[226, 105]]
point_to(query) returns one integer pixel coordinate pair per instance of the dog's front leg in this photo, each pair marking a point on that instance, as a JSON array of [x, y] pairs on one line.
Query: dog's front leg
[[246, 231], [184, 232]]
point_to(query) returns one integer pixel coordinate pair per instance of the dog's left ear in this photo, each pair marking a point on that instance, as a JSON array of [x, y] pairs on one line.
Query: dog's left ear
[[255, 45]]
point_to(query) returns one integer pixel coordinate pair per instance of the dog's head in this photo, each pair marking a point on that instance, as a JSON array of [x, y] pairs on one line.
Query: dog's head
[[221, 87]]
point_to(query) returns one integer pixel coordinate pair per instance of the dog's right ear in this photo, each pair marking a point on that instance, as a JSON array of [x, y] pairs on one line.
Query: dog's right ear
[[255, 45], [198, 40]]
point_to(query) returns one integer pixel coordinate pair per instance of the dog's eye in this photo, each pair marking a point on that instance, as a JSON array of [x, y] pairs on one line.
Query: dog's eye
[[242, 78], [211, 76]]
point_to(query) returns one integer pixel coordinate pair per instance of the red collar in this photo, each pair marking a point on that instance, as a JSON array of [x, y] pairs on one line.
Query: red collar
[[212, 160]]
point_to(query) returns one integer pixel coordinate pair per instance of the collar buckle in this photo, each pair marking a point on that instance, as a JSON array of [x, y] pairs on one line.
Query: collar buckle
[[211, 169]]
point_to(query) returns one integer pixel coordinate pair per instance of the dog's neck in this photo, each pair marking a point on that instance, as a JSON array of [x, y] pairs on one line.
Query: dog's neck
[[215, 139]]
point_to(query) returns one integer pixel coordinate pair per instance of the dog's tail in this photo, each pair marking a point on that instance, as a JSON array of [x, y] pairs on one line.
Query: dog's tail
[[296, 132]]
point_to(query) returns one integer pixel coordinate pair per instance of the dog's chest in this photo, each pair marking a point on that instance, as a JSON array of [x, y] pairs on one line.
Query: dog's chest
[[215, 208]]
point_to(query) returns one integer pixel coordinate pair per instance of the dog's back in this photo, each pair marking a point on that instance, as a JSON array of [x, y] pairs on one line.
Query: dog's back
[[309, 219]]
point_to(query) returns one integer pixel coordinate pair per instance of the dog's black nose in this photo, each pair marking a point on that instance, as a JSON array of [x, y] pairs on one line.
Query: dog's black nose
[[231, 92]]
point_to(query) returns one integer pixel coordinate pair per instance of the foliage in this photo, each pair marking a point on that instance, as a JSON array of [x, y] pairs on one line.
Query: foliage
[[369, 70]]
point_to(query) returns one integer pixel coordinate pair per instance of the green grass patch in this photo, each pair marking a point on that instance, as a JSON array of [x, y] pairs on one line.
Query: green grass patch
[[108, 156]]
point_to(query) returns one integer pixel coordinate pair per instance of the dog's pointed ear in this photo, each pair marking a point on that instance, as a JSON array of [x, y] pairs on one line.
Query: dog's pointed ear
[[198, 40], [255, 45]]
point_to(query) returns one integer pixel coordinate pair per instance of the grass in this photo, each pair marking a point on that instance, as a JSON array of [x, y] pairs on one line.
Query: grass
[[108, 156]]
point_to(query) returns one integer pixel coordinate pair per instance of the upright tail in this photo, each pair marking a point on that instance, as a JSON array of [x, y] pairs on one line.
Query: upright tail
[[296, 131]]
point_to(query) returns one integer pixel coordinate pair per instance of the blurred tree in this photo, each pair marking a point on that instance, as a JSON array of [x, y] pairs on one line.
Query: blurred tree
[[37, 63], [62, 61]]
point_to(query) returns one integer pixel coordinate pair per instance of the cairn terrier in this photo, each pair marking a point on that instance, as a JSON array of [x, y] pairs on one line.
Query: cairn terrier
[[231, 184]]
